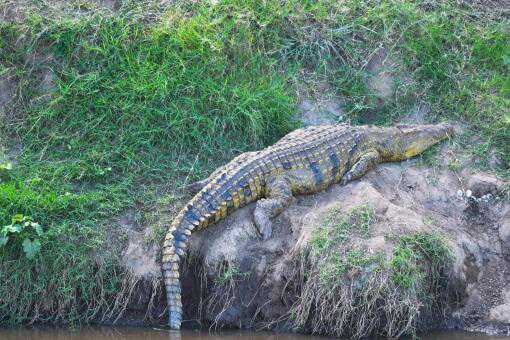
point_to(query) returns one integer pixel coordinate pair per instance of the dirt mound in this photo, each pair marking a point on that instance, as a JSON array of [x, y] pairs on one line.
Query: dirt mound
[[391, 253]]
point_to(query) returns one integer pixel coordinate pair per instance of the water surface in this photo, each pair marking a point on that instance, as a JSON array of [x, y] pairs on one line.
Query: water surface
[[130, 333]]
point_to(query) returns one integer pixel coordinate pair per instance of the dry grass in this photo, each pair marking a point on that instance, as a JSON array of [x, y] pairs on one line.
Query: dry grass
[[359, 305]]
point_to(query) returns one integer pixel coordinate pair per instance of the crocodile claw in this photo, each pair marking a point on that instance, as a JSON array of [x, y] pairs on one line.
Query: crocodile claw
[[264, 225]]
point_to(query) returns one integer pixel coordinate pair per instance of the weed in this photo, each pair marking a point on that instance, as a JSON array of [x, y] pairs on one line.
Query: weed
[[231, 273], [454, 165], [338, 225], [429, 158], [406, 272], [24, 231]]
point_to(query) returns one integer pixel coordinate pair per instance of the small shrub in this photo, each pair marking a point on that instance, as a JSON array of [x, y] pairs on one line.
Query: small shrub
[[22, 231], [231, 273]]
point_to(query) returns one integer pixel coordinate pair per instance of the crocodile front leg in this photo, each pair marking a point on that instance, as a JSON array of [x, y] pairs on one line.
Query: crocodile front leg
[[279, 195], [365, 163]]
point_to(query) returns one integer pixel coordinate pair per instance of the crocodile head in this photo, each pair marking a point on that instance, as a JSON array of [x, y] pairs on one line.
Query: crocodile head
[[406, 141]]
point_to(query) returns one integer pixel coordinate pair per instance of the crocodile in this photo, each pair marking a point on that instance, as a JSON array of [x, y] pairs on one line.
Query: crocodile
[[305, 161]]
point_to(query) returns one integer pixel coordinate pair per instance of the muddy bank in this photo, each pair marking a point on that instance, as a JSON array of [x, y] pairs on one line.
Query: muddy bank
[[405, 248]]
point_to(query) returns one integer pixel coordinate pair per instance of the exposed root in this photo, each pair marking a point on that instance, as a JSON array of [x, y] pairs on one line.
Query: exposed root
[[215, 297], [156, 294]]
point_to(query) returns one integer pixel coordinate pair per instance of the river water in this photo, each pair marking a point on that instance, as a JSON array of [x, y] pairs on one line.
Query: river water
[[129, 333]]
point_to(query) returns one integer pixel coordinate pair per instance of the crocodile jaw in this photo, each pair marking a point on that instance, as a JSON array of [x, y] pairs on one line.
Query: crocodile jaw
[[407, 141]]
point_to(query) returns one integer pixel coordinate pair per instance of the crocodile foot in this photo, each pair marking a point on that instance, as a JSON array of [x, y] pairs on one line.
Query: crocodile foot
[[263, 224]]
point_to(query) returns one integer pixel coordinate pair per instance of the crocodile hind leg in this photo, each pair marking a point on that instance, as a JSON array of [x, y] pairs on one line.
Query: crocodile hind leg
[[365, 163], [279, 195]]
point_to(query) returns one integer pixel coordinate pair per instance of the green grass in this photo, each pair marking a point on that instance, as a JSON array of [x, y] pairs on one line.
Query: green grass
[[134, 107], [338, 228], [114, 109], [341, 287], [421, 263]]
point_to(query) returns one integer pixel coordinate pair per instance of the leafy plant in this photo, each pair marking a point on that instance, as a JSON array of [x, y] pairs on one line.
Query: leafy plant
[[5, 168], [413, 252], [25, 231], [231, 273]]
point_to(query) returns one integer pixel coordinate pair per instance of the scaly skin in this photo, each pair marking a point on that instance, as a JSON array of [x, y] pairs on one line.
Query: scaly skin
[[305, 161]]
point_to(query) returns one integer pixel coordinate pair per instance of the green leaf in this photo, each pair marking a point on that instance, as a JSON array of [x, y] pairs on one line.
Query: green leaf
[[31, 248], [38, 228], [18, 218], [3, 240], [13, 228], [6, 166]]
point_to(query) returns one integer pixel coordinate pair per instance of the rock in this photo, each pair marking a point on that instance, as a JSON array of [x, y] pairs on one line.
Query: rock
[[419, 114], [495, 163], [7, 91], [482, 184], [381, 82], [504, 230], [500, 313], [139, 261], [321, 111]]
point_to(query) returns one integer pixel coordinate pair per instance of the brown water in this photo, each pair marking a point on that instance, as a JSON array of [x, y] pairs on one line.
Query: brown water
[[125, 333]]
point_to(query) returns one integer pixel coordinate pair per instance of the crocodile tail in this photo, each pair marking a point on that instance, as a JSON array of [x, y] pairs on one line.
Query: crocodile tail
[[174, 246]]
